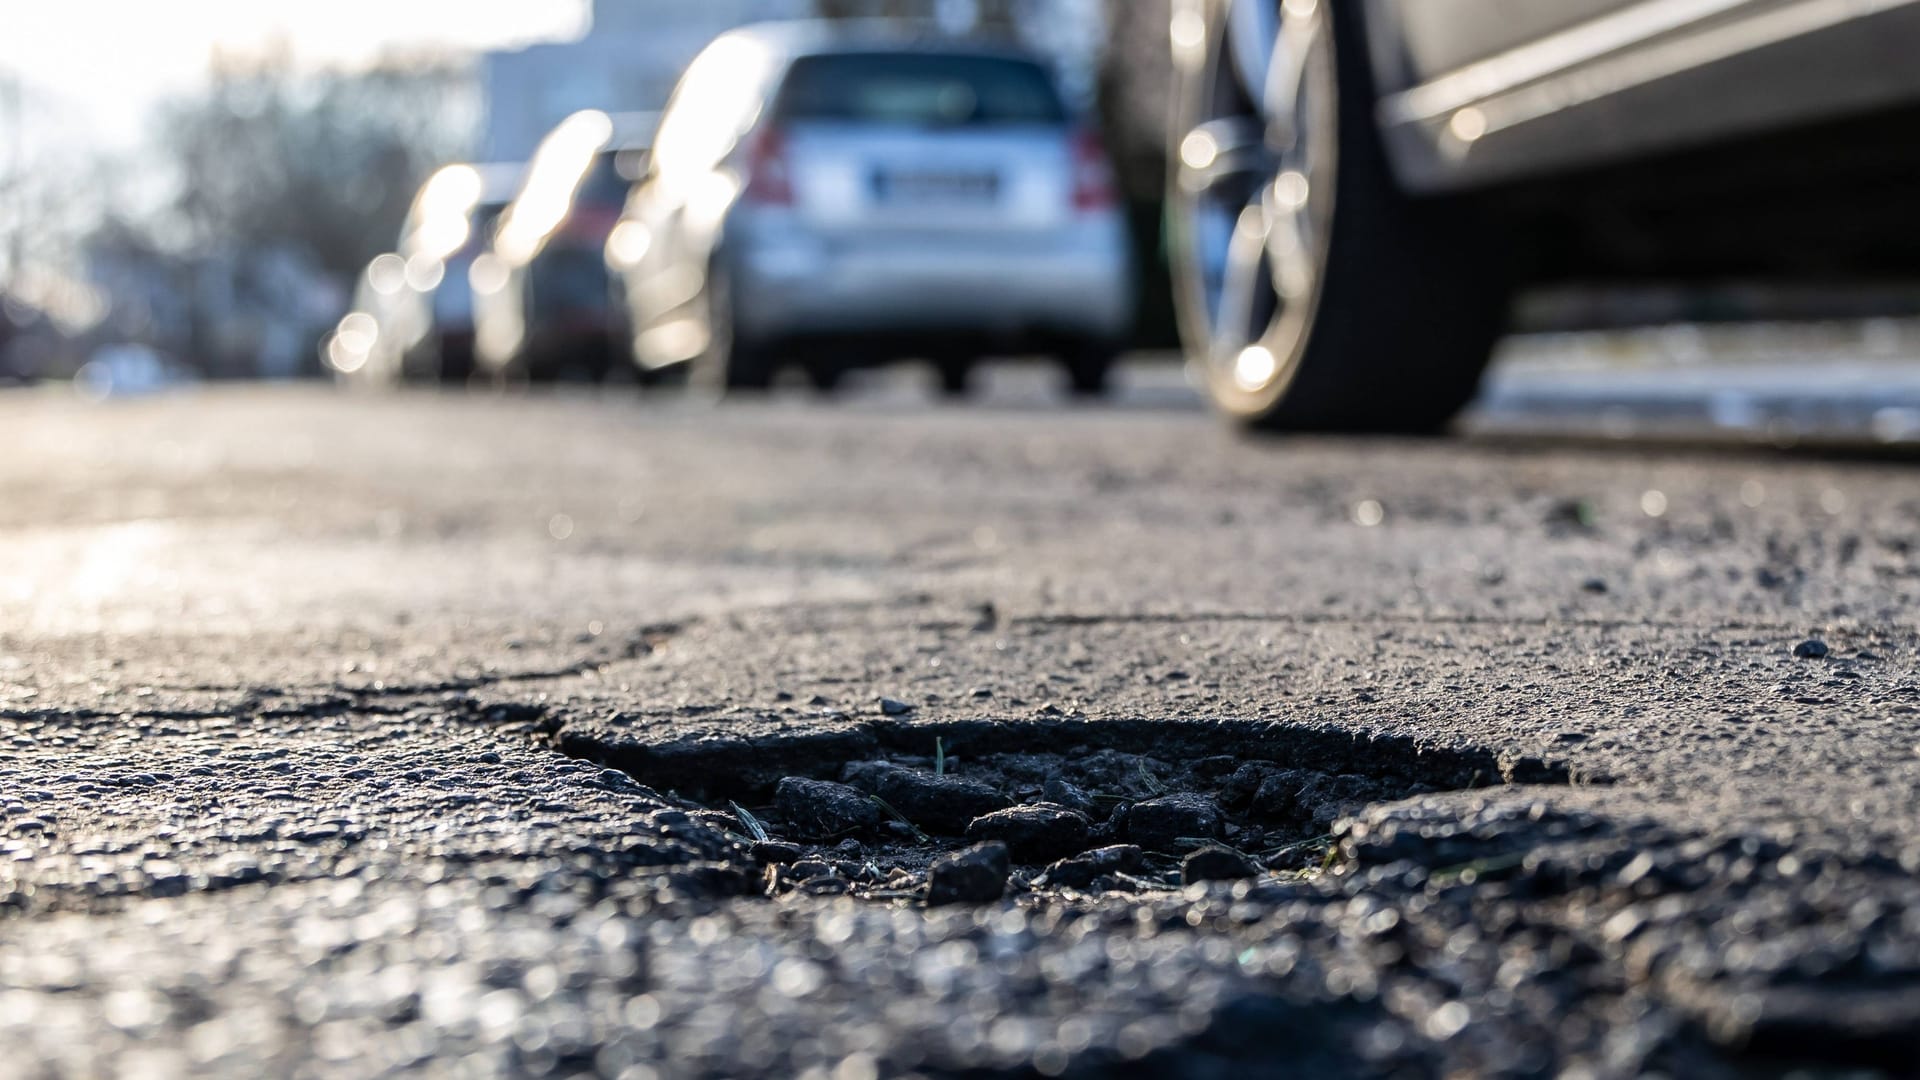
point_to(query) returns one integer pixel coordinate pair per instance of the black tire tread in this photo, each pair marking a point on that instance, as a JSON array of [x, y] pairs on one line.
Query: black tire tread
[[1414, 291]]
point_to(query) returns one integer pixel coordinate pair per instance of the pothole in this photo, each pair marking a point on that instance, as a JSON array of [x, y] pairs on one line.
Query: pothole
[[904, 810]]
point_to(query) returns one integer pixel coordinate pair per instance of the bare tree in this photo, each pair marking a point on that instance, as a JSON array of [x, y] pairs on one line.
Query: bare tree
[[12, 173], [1135, 85], [323, 164], [37, 205], [283, 182]]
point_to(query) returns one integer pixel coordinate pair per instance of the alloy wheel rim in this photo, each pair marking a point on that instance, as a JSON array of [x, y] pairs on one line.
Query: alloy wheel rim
[[1253, 175]]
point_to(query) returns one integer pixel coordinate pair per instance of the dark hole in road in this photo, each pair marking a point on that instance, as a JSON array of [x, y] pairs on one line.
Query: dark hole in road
[[971, 811]]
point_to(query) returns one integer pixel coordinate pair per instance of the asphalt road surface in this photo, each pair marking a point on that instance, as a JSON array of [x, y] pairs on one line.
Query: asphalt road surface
[[343, 735]]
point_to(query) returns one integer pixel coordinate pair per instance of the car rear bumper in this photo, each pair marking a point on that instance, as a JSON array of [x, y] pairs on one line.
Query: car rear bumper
[[1069, 283]]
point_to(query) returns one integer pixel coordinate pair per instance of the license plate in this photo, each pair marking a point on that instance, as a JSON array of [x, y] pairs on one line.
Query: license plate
[[928, 186]]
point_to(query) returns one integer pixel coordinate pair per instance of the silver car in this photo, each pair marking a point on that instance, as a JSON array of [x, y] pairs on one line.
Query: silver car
[[834, 195], [1360, 185], [412, 314]]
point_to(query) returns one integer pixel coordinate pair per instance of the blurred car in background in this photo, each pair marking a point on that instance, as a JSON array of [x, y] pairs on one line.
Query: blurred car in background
[[412, 314], [452, 218], [845, 193], [362, 347], [541, 291], [1358, 188], [130, 369]]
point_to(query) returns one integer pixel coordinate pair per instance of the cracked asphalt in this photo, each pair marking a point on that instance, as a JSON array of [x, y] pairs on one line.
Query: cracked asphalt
[[346, 735]]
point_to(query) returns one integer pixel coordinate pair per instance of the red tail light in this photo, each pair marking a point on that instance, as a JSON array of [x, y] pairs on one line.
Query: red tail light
[[589, 222], [769, 180], [1093, 186]]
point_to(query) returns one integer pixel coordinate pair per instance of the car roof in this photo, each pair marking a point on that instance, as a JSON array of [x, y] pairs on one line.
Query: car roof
[[632, 130], [826, 37], [499, 179]]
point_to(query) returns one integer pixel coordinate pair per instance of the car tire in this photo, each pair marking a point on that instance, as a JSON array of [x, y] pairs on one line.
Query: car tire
[[539, 366], [731, 363], [825, 377], [596, 358], [662, 380], [456, 365], [1089, 370], [955, 374], [1347, 305]]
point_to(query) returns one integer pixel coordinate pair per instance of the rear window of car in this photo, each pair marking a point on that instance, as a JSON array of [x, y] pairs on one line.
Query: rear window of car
[[920, 90], [610, 178]]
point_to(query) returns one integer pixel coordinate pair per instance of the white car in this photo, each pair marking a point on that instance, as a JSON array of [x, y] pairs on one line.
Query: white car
[[839, 194]]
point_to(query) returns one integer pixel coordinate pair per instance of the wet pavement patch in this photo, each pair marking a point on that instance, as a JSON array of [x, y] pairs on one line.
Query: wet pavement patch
[[974, 811]]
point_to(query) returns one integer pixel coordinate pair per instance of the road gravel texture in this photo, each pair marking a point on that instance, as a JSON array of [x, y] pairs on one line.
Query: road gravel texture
[[347, 735]]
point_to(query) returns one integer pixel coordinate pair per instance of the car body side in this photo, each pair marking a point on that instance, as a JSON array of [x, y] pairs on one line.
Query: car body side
[[1716, 137]]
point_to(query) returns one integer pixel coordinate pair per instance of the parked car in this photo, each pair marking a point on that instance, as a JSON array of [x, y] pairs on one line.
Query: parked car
[[846, 193], [541, 292], [1359, 187], [368, 344], [412, 316], [447, 230]]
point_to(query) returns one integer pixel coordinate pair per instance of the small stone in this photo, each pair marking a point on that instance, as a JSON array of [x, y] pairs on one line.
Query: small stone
[[977, 875], [892, 707], [1160, 824], [1215, 863], [819, 809], [1245, 781], [1811, 649], [1570, 514], [1113, 830], [986, 617], [1278, 793], [1216, 768], [1061, 793], [1594, 585], [776, 851], [1082, 870], [1325, 799], [1036, 833], [943, 804]]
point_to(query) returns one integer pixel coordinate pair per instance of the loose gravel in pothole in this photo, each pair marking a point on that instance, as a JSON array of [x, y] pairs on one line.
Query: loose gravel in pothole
[[948, 828]]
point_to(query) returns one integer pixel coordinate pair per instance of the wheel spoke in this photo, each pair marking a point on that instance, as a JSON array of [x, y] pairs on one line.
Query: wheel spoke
[[1250, 32], [1221, 152], [1246, 282], [1292, 232], [1287, 73], [1247, 173], [1290, 253]]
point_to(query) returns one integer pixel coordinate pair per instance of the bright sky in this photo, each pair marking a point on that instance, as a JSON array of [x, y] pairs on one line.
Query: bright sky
[[104, 63]]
